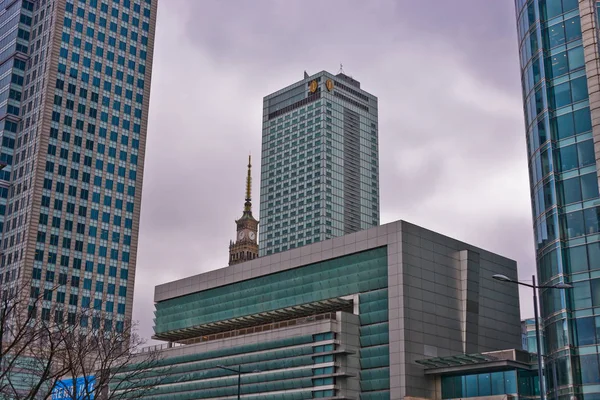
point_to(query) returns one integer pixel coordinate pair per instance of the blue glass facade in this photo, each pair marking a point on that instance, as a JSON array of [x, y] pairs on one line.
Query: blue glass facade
[[320, 162], [75, 179], [564, 187]]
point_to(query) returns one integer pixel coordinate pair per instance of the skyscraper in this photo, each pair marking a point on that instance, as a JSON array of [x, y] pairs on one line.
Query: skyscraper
[[76, 81], [320, 162], [559, 53]]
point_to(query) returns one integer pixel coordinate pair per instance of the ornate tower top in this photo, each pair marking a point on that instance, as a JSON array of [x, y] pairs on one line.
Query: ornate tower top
[[246, 245], [248, 204]]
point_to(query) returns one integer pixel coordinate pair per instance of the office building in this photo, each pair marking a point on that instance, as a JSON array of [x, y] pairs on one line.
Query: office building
[[558, 45], [345, 318], [75, 117], [528, 335], [320, 162]]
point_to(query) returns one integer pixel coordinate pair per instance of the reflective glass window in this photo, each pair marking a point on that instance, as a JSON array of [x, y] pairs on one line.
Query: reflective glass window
[[561, 94], [579, 90], [572, 29], [581, 295], [573, 225], [567, 158], [576, 59], [590, 369], [577, 259], [586, 331], [570, 191], [589, 186], [585, 153], [563, 126], [592, 219], [583, 120]]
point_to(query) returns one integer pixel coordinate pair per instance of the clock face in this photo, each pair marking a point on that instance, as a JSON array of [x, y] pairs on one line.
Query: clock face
[[251, 235], [241, 235]]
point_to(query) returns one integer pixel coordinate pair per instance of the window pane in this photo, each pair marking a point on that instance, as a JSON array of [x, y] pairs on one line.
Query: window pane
[[594, 255], [577, 259], [569, 5], [510, 381], [564, 126], [585, 151], [562, 94], [497, 383], [589, 369], [573, 224], [581, 295], [583, 121], [567, 158], [485, 385], [570, 191], [552, 8], [572, 29], [586, 331], [557, 64], [591, 218], [471, 386], [576, 59], [579, 88], [595, 292], [556, 35], [589, 186]]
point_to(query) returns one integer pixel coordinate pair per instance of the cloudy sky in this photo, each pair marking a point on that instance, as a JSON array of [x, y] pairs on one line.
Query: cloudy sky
[[452, 142]]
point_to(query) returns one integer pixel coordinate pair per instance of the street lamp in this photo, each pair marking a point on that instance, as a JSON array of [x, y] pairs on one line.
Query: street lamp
[[504, 278], [239, 373]]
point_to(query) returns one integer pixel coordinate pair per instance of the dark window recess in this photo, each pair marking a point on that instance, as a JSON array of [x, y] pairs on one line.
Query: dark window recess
[[351, 121], [349, 100], [312, 97], [350, 90]]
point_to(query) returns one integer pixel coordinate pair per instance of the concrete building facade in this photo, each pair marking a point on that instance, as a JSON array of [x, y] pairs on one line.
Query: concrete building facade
[[346, 318]]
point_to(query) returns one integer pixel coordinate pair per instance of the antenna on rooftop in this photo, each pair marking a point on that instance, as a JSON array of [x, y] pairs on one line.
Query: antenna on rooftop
[[341, 69]]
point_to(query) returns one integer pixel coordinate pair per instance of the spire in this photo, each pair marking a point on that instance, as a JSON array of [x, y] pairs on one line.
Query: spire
[[248, 204]]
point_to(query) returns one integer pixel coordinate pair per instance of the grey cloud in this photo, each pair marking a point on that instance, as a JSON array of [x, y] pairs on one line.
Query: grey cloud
[[452, 147]]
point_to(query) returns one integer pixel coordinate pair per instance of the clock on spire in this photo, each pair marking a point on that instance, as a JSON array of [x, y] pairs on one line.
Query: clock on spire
[[245, 247]]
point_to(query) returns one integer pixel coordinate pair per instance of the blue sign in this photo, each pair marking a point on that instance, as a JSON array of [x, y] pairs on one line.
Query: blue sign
[[68, 388]]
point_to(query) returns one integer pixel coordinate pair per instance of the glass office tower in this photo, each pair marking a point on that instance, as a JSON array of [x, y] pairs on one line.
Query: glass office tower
[[320, 162], [558, 44], [75, 90]]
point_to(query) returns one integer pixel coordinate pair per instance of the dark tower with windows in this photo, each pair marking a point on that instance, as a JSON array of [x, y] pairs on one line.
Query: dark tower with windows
[[245, 246]]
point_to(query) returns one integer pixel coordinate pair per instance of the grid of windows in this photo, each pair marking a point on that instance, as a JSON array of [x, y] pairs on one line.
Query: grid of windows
[[563, 179], [82, 213], [306, 180]]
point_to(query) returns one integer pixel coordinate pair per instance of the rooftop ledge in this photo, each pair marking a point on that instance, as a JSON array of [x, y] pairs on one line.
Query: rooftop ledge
[[283, 314]]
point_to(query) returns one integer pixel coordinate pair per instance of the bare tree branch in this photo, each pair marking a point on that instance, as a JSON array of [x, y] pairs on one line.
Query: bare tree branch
[[40, 354]]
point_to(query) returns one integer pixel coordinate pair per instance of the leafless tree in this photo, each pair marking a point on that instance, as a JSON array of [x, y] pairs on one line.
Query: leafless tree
[[39, 355], [110, 362], [28, 345]]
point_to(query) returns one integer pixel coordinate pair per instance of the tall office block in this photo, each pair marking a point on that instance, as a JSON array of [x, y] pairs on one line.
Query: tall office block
[[558, 44], [320, 168], [76, 88]]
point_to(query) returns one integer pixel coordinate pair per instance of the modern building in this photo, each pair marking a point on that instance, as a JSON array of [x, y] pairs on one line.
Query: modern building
[[320, 162], [76, 87], [346, 318], [559, 54], [245, 247], [495, 375], [528, 335]]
